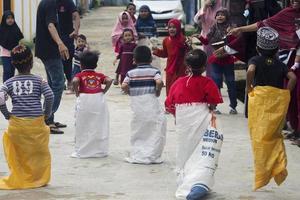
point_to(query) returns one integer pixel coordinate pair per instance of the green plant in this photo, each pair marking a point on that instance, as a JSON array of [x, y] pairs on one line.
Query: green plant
[[95, 3]]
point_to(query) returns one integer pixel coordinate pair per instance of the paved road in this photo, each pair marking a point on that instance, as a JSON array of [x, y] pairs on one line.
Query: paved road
[[112, 178]]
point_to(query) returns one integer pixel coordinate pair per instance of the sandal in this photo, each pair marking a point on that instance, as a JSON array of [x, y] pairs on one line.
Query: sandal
[[116, 82], [59, 125], [289, 136], [55, 130], [296, 142]]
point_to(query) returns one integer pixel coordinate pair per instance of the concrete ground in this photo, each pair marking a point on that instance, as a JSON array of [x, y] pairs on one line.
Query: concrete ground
[[111, 178]]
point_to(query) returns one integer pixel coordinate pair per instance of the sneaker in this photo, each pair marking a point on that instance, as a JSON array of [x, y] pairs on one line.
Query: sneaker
[[233, 111], [217, 112]]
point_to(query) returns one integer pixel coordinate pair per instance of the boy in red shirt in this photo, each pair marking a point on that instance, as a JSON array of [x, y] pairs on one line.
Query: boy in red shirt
[[92, 116]]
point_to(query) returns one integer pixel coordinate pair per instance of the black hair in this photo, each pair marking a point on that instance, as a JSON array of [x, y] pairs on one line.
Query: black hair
[[89, 59], [267, 53], [196, 59], [22, 58], [128, 30], [142, 54], [83, 37], [130, 4]]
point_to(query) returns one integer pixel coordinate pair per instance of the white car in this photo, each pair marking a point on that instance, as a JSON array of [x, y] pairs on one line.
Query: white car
[[163, 11]]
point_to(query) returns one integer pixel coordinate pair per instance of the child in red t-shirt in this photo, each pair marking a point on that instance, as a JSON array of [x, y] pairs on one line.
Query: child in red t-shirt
[[92, 116], [191, 99]]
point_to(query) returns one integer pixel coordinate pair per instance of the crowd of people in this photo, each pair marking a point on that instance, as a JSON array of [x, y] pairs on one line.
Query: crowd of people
[[273, 89]]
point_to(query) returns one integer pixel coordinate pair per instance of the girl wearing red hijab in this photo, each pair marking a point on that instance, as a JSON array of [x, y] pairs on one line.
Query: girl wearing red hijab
[[174, 48]]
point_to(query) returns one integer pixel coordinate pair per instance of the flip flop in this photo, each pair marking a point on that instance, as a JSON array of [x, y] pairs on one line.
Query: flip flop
[[54, 130], [296, 142], [59, 125], [116, 82]]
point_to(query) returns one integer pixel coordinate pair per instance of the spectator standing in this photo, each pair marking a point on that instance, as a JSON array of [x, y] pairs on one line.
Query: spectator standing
[[69, 23], [50, 49]]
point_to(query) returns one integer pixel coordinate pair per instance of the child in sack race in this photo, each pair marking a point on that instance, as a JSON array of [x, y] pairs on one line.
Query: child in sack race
[[92, 115], [26, 139], [148, 125], [266, 91], [191, 100]]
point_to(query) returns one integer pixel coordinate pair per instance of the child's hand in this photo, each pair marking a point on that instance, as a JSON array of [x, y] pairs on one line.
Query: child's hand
[[154, 48], [295, 66], [219, 53], [249, 89], [2, 98]]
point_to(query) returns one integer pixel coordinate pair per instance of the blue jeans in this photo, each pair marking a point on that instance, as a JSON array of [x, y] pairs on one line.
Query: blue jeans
[[8, 68], [227, 71], [76, 70], [55, 75]]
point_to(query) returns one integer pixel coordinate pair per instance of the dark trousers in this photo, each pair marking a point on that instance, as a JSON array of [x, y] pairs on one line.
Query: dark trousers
[[68, 64], [218, 71], [8, 68]]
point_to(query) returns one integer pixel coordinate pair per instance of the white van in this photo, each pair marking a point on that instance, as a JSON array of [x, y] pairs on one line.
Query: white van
[[163, 11]]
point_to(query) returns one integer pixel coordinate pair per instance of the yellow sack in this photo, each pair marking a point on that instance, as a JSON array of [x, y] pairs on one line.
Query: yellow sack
[[267, 111], [26, 150]]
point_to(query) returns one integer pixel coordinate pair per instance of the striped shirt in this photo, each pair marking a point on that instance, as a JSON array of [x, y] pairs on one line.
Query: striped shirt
[[141, 80], [77, 52], [25, 92]]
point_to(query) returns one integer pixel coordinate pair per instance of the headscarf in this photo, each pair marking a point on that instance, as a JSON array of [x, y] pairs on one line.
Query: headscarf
[[206, 18], [149, 21], [177, 41], [119, 28], [9, 35], [219, 31]]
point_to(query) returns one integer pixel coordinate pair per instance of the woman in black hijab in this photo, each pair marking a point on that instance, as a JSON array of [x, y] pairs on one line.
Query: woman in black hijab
[[10, 35]]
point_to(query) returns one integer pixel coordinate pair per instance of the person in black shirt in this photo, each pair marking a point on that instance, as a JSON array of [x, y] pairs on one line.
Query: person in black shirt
[[50, 49], [268, 103], [69, 23]]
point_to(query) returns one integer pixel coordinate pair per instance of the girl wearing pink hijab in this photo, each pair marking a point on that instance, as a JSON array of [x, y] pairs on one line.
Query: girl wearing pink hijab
[[206, 18], [124, 21]]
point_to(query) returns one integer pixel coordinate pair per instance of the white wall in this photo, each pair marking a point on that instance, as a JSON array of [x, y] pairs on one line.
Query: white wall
[[25, 13]]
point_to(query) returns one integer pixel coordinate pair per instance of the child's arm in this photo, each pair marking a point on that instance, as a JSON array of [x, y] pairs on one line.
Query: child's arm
[[159, 85], [118, 56], [5, 111], [3, 107], [107, 81], [297, 61], [203, 40], [250, 78], [49, 99], [75, 83], [125, 84], [292, 81], [161, 52], [125, 87]]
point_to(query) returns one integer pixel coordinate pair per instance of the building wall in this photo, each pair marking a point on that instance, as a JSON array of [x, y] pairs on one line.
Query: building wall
[[25, 12], [25, 15]]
